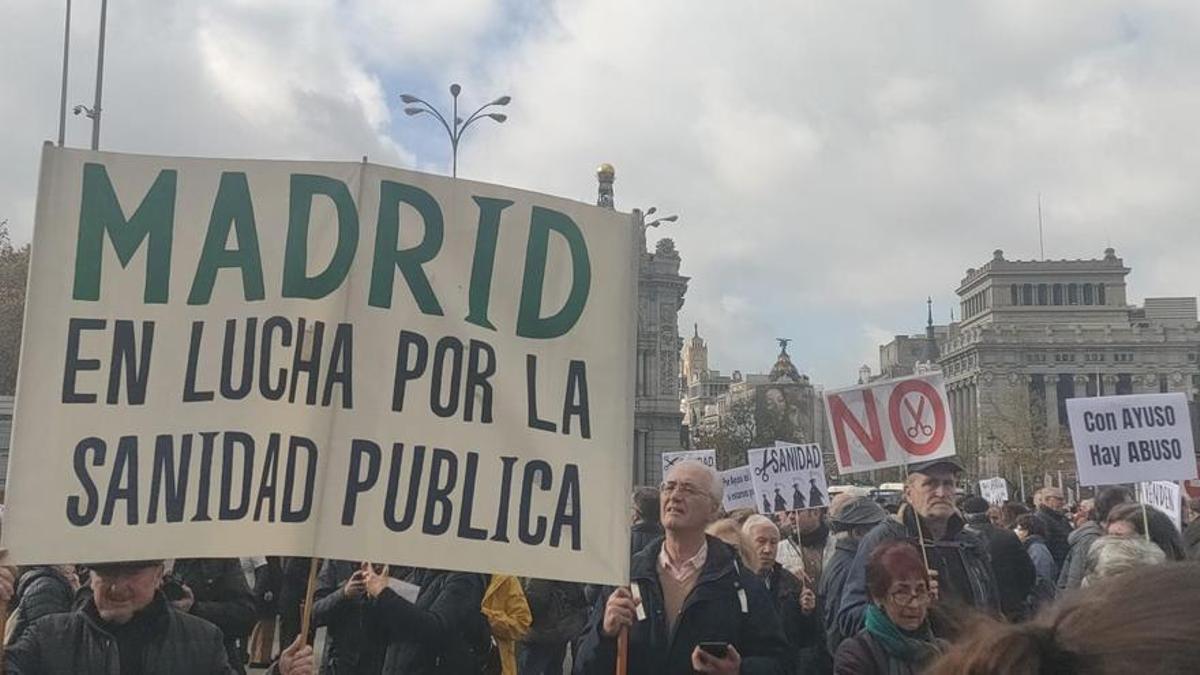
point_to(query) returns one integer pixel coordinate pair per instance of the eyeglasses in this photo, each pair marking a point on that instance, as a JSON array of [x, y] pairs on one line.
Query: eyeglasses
[[685, 489], [906, 597]]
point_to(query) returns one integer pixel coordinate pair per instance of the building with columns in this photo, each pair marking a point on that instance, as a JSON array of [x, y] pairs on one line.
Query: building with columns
[[1035, 333], [657, 421]]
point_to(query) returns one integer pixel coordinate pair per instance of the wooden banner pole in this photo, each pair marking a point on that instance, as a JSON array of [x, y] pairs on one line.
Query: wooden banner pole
[[623, 651], [309, 592]]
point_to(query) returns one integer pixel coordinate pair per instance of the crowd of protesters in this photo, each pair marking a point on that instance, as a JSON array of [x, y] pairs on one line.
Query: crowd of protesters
[[940, 584]]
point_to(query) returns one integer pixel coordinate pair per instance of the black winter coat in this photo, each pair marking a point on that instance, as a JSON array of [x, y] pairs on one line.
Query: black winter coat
[[1014, 571], [802, 631], [863, 655], [1058, 529], [728, 604], [443, 633], [355, 646], [223, 598], [559, 609], [77, 644], [829, 590], [42, 591], [960, 558]]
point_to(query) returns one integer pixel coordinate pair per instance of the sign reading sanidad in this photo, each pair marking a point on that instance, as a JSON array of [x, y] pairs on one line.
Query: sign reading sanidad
[[229, 357], [1129, 439]]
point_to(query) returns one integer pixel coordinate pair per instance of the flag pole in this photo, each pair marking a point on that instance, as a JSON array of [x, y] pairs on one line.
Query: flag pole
[[62, 101]]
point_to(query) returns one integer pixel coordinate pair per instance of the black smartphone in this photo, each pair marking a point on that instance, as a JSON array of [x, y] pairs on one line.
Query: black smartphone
[[717, 649]]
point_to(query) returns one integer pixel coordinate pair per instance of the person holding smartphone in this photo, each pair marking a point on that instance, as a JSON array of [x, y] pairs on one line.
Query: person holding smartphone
[[692, 605]]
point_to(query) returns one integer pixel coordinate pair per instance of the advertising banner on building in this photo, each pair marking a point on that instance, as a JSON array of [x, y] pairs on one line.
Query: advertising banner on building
[[705, 457], [788, 478], [890, 423], [1131, 439], [994, 490], [1164, 496], [341, 360]]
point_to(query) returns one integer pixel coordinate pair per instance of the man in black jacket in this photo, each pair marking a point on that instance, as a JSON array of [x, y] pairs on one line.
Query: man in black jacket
[[1049, 502], [795, 604], [1014, 571], [850, 520], [431, 618], [959, 559], [687, 590], [42, 591], [126, 627], [215, 590]]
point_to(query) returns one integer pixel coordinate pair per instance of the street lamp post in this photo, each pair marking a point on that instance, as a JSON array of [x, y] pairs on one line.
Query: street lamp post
[[418, 106], [93, 113], [658, 221]]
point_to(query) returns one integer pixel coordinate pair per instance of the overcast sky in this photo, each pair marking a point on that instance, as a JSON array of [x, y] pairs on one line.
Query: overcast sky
[[832, 163]]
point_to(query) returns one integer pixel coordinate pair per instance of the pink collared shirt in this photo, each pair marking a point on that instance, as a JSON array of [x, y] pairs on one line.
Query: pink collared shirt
[[685, 570]]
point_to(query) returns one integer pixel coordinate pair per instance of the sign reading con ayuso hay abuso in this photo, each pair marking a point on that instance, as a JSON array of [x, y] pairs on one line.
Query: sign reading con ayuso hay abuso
[[788, 478], [890, 423], [739, 489], [1130, 439], [343, 360], [1164, 496], [706, 457], [994, 490]]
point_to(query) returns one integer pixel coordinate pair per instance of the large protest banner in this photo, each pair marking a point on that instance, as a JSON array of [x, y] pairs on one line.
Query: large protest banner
[[890, 423], [788, 477], [229, 358], [1130, 439]]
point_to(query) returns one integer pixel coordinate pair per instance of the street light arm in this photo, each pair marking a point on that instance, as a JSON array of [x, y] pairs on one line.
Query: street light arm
[[427, 108], [474, 117]]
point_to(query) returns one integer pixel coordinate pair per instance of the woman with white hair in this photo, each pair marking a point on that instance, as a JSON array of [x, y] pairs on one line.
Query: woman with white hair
[[1112, 555]]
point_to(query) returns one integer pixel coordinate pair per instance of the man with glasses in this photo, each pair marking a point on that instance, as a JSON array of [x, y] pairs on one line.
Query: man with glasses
[[1050, 507], [691, 604], [128, 627], [959, 565]]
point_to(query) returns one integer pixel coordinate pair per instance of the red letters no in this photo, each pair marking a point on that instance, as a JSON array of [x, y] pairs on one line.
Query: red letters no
[[841, 418]]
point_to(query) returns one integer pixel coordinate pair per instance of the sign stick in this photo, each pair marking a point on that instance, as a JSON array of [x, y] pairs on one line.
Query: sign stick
[[920, 531], [623, 651], [309, 591], [1145, 514]]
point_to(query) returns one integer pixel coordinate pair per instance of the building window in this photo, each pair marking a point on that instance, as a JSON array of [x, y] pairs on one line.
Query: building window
[[1123, 357], [1124, 385], [1192, 357], [1162, 384], [1094, 357], [1027, 294], [1064, 357], [1016, 294], [1065, 390], [1043, 292], [1088, 297], [1057, 294], [1072, 294], [1035, 357], [1100, 295]]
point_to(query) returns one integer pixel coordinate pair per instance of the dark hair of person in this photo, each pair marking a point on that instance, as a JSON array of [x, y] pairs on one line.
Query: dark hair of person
[[974, 505], [1031, 524], [1125, 624], [1162, 529], [892, 561], [645, 502], [1011, 511], [1106, 500]]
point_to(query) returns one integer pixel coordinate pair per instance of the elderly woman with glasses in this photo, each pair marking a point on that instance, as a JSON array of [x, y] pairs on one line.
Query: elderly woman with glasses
[[897, 639]]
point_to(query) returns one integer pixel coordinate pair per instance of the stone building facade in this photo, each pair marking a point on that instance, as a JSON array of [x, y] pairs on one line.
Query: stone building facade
[[1034, 334], [657, 421]]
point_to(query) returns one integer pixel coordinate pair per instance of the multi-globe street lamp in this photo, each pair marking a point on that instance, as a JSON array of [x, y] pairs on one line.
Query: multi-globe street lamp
[[418, 106]]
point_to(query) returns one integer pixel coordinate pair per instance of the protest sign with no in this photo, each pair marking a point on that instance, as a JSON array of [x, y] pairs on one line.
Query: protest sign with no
[[228, 358], [705, 457], [1164, 496], [1130, 439], [994, 490], [891, 423], [739, 489], [788, 477]]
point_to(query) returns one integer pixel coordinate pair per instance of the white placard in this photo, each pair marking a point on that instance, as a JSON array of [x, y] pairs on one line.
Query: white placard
[[231, 357], [739, 490], [891, 423], [1131, 439], [705, 457], [994, 490], [788, 478], [1164, 496]]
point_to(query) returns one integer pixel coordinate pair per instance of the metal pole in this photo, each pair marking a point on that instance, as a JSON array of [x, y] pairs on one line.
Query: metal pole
[[99, 77], [454, 137], [62, 101]]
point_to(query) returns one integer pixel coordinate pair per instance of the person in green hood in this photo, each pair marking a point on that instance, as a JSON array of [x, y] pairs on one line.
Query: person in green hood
[[896, 639]]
